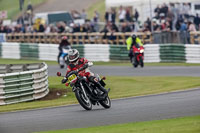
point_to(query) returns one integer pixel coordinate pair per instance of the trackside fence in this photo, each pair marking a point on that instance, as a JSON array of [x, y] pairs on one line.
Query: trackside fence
[[19, 83], [104, 52]]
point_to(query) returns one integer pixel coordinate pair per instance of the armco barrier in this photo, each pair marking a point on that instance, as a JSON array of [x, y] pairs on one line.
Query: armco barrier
[[19, 83]]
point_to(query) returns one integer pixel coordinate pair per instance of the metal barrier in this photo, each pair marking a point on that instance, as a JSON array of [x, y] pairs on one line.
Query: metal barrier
[[77, 38], [19, 83]]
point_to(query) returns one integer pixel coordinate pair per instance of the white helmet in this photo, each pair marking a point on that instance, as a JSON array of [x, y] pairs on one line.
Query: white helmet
[[73, 55]]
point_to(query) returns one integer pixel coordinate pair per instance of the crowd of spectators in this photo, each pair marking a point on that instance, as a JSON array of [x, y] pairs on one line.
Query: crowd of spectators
[[172, 17]]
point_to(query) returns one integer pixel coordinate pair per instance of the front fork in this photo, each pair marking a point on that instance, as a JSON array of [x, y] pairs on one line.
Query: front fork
[[85, 95]]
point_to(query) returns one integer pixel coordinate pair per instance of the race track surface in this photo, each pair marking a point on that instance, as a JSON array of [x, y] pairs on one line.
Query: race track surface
[[145, 108], [130, 71]]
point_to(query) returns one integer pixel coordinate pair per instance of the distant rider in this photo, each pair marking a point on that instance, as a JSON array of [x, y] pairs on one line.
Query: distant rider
[[131, 41], [64, 42], [76, 63]]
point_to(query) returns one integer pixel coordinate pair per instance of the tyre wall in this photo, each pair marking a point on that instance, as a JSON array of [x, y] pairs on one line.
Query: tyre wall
[[19, 83], [101, 52]]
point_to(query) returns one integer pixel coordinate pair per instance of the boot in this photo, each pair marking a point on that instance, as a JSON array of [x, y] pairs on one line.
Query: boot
[[98, 84], [105, 92]]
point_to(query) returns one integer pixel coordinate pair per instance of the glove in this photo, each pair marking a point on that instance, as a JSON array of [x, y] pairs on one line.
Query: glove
[[64, 80], [85, 66]]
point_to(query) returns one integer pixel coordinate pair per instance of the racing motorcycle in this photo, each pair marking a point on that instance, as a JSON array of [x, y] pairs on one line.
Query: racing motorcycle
[[138, 58], [63, 60], [85, 91]]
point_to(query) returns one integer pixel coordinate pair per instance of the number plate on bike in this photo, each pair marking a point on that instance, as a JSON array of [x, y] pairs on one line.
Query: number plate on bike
[[72, 78]]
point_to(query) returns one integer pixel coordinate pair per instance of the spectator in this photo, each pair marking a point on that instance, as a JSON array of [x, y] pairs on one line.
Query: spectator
[[113, 12], [145, 28], [126, 27], [96, 16], [29, 6], [41, 28], [128, 14], [191, 27], [148, 23], [156, 27], [122, 14], [110, 16], [107, 17], [83, 14], [183, 32], [136, 15], [197, 21], [164, 9]]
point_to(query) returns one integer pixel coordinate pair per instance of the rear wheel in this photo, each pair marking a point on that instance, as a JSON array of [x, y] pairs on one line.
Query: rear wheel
[[83, 100], [106, 103]]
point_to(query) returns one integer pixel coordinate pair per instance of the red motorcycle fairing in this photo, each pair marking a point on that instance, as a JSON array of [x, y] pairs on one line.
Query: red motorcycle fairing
[[138, 52]]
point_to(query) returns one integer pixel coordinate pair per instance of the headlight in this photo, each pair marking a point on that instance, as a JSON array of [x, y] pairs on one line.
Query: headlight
[[142, 50]]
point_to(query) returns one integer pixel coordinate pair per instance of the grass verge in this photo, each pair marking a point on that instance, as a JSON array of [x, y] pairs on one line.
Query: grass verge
[[99, 7], [111, 63], [12, 6], [177, 125], [120, 87]]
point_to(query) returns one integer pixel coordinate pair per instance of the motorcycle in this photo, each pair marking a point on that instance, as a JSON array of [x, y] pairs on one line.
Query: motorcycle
[[86, 92], [138, 58], [63, 57]]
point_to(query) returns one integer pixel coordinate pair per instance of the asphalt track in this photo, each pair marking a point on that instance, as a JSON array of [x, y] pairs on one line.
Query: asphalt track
[[130, 71], [145, 108]]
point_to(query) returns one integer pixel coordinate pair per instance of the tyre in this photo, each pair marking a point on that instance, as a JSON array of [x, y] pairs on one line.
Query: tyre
[[135, 63], [106, 103], [141, 62], [62, 66], [83, 101]]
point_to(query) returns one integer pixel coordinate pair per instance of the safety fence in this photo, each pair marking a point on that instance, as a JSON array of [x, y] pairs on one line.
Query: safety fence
[[104, 52], [77, 38], [19, 83], [160, 37]]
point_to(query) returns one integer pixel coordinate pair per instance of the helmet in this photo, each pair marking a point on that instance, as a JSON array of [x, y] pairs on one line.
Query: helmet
[[64, 38], [73, 55], [134, 37]]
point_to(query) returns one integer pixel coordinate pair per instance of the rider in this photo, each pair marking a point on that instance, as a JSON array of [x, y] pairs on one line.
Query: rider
[[64, 42], [131, 41], [76, 63]]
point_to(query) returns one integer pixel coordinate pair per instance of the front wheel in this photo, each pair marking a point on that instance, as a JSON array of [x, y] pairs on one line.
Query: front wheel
[[141, 62], [134, 61], [106, 103], [83, 100]]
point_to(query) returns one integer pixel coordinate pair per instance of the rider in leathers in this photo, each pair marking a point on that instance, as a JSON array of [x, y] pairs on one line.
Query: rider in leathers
[[131, 41], [76, 63]]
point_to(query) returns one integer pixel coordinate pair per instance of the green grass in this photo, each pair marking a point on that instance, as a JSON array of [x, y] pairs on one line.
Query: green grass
[[120, 87], [111, 63], [98, 6], [176, 125], [12, 6]]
